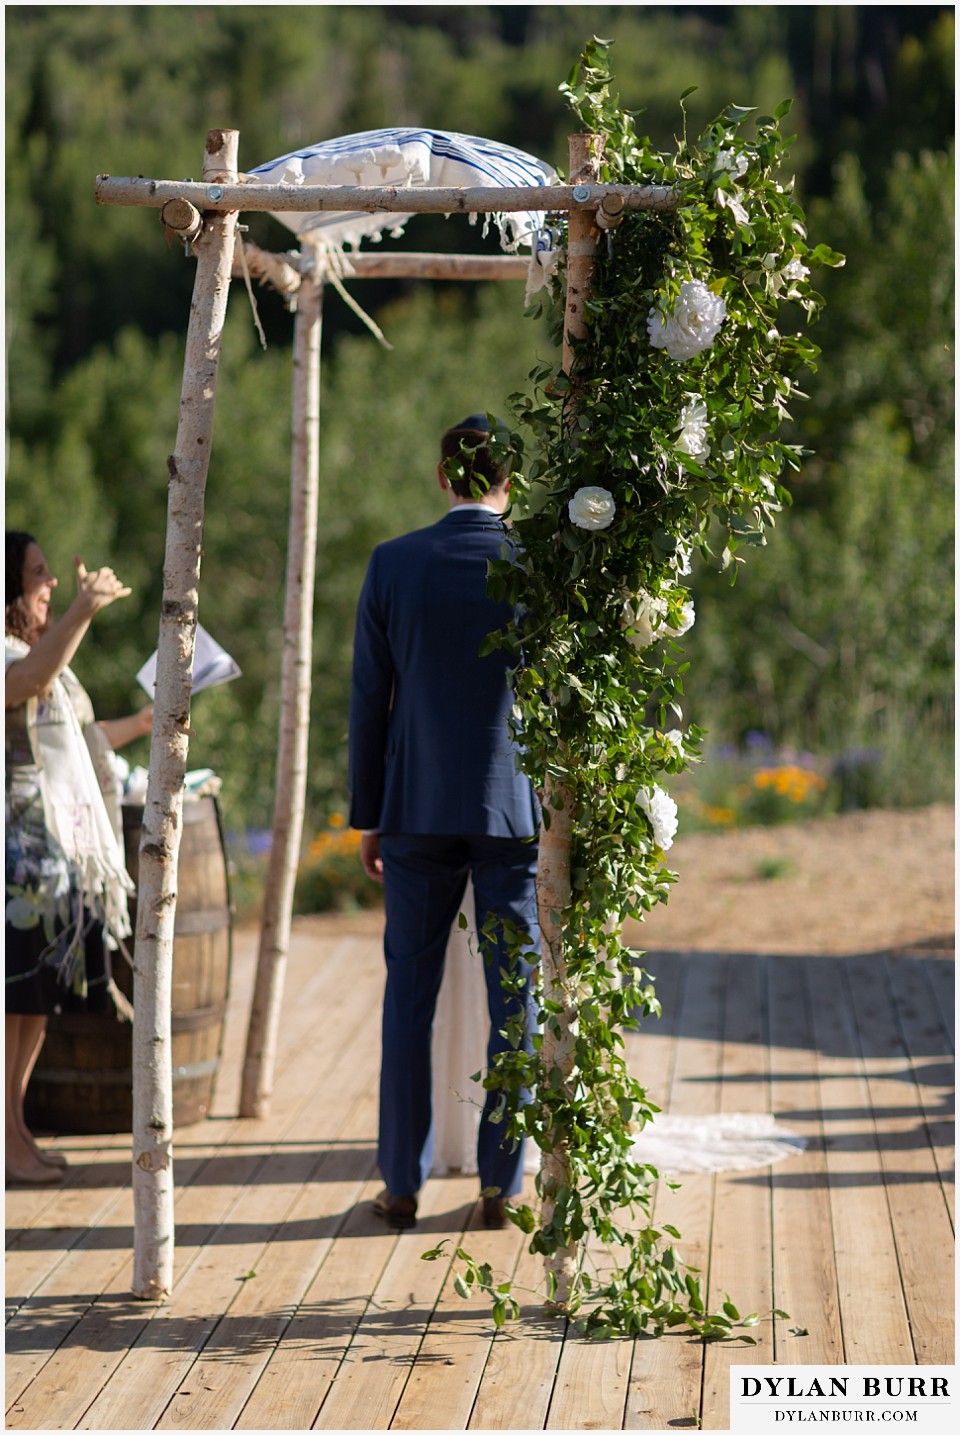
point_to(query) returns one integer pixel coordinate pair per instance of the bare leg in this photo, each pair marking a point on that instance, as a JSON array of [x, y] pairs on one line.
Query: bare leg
[[49, 1158], [24, 1038]]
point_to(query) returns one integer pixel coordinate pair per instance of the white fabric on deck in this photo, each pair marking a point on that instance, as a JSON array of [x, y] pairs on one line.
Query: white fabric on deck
[[725, 1141]]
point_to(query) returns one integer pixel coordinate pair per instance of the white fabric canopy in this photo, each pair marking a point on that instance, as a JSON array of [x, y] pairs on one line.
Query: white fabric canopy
[[405, 157]]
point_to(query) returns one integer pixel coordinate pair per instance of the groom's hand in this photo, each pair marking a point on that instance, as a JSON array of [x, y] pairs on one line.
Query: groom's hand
[[370, 855]]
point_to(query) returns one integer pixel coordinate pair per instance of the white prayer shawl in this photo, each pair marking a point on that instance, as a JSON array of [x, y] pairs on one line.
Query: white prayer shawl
[[74, 811], [408, 158]]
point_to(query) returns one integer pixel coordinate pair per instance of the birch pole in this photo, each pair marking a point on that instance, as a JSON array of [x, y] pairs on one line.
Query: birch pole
[[291, 781], [553, 865], [390, 198], [160, 843]]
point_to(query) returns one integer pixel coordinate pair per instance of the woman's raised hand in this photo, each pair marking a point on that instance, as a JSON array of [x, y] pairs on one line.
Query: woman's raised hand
[[53, 650], [97, 589]]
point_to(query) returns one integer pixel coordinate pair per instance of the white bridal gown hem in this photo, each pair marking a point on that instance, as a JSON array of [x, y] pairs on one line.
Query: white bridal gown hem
[[459, 1050], [675, 1145]]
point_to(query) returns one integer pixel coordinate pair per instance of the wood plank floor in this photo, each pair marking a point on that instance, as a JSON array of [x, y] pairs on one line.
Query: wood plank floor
[[294, 1308]]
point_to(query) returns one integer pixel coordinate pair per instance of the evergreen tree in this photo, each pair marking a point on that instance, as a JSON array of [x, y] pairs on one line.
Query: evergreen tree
[[97, 305]]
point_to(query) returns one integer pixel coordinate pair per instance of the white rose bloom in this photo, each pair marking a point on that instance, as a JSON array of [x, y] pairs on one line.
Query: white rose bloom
[[662, 812], [795, 270], [693, 325], [639, 616], [687, 619], [592, 508], [693, 438], [645, 619], [735, 164], [788, 276]]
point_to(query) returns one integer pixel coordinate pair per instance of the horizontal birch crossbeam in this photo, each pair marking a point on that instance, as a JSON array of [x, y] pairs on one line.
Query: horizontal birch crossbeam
[[346, 198], [369, 265], [285, 272], [397, 264]]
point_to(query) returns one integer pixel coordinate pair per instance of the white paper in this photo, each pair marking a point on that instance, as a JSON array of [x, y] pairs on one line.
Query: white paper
[[211, 665]]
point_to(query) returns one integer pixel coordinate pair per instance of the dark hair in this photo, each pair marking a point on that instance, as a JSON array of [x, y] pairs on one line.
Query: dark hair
[[469, 464], [15, 619]]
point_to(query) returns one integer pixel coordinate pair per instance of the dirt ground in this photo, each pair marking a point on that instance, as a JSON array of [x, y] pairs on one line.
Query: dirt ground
[[857, 882]]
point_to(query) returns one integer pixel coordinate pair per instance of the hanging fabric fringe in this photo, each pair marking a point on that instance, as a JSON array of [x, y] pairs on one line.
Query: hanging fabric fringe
[[250, 294], [332, 260]]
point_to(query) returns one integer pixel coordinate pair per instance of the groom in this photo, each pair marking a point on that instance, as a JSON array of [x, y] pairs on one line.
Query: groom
[[436, 791]]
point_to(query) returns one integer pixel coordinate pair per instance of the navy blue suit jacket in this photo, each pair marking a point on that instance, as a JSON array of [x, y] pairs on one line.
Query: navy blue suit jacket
[[430, 748]]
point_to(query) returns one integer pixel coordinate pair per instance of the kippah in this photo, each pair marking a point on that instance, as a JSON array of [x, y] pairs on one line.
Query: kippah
[[481, 423]]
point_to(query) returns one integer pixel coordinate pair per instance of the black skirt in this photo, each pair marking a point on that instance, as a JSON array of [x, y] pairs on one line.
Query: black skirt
[[33, 986]]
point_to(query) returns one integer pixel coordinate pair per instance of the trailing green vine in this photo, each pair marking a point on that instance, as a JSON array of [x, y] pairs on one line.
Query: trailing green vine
[[679, 393]]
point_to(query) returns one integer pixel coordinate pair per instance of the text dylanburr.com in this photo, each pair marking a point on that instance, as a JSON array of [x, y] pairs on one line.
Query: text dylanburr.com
[[783, 1397]]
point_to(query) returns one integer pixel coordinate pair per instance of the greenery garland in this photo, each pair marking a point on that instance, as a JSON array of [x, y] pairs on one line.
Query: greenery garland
[[680, 390]]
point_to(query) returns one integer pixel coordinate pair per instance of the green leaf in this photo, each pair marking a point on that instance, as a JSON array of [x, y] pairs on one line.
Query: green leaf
[[823, 254]]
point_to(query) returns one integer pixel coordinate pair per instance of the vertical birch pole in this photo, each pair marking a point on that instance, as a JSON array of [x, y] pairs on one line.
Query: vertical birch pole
[[553, 865], [160, 843], [291, 780]]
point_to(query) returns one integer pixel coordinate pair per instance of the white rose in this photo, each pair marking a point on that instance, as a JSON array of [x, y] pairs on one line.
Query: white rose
[[786, 278], [672, 740], [639, 615], [592, 508], [661, 809], [693, 325], [645, 620], [693, 438], [733, 163], [687, 619]]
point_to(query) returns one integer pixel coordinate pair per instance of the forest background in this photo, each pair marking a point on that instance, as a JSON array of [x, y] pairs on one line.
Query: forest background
[[832, 654]]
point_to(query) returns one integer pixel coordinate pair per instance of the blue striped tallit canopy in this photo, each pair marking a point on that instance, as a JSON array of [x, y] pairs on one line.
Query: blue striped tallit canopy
[[436, 158]]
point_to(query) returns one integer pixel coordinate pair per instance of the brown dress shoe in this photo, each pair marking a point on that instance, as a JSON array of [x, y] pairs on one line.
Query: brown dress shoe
[[398, 1211], [494, 1212], [52, 1158]]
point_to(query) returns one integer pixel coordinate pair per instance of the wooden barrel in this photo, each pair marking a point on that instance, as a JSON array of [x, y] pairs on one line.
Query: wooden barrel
[[83, 1079]]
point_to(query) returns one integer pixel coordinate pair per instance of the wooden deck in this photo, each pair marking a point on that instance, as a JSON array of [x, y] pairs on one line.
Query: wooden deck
[[294, 1308]]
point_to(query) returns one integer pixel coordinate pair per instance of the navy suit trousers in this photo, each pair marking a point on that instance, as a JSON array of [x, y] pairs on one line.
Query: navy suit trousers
[[424, 881]]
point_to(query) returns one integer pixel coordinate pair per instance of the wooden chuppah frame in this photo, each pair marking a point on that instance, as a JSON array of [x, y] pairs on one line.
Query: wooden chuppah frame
[[205, 214]]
